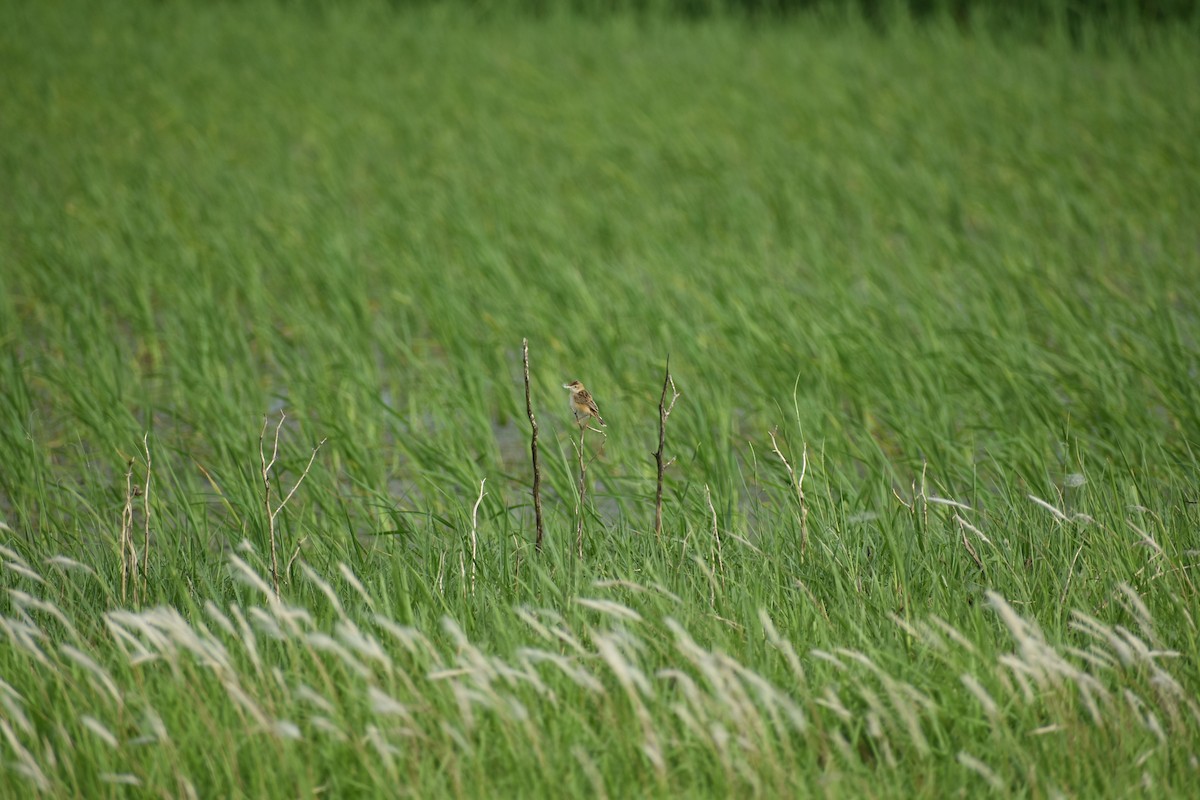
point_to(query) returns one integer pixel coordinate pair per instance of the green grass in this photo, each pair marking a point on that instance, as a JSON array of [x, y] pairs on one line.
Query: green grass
[[956, 276]]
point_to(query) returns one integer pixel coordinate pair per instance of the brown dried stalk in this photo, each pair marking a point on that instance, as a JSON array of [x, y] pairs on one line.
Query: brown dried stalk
[[128, 552], [266, 478], [716, 534], [664, 411], [475, 532], [533, 447], [580, 510], [146, 514]]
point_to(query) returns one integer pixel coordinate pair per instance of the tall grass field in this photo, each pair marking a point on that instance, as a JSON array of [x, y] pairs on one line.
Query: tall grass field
[[930, 295]]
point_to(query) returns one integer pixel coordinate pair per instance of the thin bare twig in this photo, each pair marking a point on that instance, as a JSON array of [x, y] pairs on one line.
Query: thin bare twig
[[266, 478], [267, 466], [716, 534], [533, 447], [924, 496], [128, 553], [303, 475], [664, 411], [798, 485], [474, 532], [582, 490], [146, 514]]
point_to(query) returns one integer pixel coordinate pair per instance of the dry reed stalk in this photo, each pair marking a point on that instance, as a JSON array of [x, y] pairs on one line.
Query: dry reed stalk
[[128, 553], [474, 532], [533, 447], [582, 490], [664, 411], [267, 466]]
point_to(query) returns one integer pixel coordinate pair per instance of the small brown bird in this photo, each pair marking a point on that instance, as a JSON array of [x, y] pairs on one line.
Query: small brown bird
[[582, 404]]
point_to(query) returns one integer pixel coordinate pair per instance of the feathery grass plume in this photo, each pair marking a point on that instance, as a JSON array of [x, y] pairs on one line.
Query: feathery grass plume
[[69, 563], [24, 570], [14, 707], [635, 686], [386, 751], [296, 620], [245, 703], [609, 608], [156, 729], [364, 644], [246, 573], [552, 631], [954, 634], [307, 694], [100, 730], [1058, 515], [980, 694], [577, 673], [319, 642], [329, 728], [218, 616], [591, 770], [783, 645], [384, 705], [830, 700], [286, 729], [26, 765], [248, 640], [356, 584], [130, 646], [101, 677], [326, 589], [637, 588], [266, 623], [1136, 608], [982, 770], [411, 639], [27, 602]]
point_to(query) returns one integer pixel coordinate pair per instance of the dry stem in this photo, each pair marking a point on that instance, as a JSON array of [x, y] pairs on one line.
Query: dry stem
[[267, 466], [533, 447], [582, 490], [664, 411], [798, 485], [146, 514], [474, 532], [128, 553], [716, 534]]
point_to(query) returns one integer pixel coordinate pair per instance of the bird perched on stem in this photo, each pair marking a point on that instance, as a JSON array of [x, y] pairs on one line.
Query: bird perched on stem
[[582, 404]]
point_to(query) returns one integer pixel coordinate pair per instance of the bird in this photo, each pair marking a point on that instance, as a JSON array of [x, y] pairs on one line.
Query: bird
[[582, 404]]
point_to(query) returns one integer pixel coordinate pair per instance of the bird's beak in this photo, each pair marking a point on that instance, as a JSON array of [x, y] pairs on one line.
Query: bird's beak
[[566, 386]]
